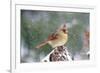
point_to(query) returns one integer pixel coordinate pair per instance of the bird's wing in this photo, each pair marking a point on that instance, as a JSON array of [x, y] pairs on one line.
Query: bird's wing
[[53, 36]]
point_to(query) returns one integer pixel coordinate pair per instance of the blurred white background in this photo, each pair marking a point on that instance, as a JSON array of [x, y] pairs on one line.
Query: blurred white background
[[5, 35]]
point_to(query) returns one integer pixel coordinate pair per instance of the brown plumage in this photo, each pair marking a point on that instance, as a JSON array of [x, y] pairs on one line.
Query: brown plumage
[[59, 38]]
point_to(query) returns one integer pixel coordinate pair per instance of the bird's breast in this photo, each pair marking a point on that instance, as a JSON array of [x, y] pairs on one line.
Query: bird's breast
[[60, 41]]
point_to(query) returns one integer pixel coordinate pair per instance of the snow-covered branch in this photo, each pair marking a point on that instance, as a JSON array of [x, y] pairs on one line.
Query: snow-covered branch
[[58, 54]]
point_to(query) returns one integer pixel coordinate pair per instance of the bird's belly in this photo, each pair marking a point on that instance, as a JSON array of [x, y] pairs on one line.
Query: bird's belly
[[57, 42]]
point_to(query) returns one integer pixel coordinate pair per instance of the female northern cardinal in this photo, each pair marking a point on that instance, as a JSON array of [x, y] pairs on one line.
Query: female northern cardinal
[[59, 38]]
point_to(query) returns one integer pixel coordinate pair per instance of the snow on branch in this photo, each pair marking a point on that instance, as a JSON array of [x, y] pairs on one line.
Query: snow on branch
[[58, 54]]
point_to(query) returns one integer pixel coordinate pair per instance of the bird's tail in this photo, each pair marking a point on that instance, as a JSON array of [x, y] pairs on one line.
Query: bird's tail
[[42, 44]]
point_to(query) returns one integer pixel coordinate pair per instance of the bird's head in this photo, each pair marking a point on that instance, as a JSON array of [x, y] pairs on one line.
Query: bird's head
[[64, 28]]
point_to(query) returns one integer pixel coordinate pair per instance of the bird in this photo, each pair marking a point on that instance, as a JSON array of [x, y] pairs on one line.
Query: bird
[[58, 38]]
